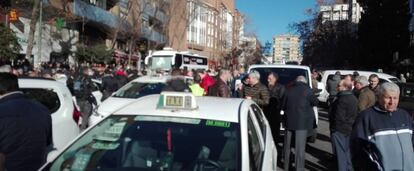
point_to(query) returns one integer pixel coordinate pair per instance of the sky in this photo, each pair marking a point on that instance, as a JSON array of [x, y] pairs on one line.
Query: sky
[[268, 18]]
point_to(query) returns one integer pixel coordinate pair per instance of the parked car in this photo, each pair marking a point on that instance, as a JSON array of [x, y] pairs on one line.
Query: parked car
[[58, 99], [328, 74], [407, 97], [175, 131], [287, 76], [137, 88]]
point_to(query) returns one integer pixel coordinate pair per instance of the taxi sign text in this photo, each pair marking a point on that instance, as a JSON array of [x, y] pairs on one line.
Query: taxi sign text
[[218, 123], [174, 101]]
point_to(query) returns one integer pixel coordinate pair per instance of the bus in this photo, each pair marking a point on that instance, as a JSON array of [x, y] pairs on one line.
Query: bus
[[167, 59]]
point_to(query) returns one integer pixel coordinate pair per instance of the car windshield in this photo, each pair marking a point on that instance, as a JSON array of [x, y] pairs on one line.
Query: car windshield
[[136, 90], [161, 62], [154, 143], [287, 76]]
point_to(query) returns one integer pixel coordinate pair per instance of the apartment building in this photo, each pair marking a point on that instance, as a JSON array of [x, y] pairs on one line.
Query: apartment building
[[341, 11], [286, 48], [209, 28]]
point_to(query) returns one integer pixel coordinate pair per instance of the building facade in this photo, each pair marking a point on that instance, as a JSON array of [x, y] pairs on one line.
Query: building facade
[[286, 48], [341, 11], [209, 26], [127, 26]]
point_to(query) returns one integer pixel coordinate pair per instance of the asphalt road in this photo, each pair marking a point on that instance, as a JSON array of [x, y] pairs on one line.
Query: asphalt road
[[319, 154]]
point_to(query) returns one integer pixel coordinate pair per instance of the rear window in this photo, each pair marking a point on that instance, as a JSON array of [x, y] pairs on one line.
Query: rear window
[[287, 76], [136, 90], [395, 80], [47, 97]]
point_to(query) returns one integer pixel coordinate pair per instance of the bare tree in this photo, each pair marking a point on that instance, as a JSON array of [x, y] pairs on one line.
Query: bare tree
[[33, 21], [179, 9]]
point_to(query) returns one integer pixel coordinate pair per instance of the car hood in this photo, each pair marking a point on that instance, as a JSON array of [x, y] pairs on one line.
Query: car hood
[[112, 104]]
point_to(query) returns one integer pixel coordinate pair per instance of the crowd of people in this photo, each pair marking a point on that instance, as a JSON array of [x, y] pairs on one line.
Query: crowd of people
[[368, 130]]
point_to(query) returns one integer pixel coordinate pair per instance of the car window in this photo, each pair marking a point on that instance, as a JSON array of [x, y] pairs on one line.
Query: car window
[[260, 119], [154, 143], [382, 81], [395, 80], [255, 147], [47, 97], [136, 90], [287, 76]]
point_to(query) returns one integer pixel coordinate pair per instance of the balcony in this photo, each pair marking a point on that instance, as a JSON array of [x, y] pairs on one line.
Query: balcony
[[152, 35], [98, 15]]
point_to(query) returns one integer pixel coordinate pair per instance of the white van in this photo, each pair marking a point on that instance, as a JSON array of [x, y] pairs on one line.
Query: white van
[[168, 58], [328, 74]]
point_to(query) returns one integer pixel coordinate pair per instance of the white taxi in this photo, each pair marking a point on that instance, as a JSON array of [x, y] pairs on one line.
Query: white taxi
[[175, 131], [137, 88]]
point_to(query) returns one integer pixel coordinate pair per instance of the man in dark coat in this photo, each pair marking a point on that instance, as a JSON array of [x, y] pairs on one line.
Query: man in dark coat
[[331, 86], [82, 88], [342, 116], [25, 128], [177, 82], [220, 88], [272, 111], [300, 118], [109, 84]]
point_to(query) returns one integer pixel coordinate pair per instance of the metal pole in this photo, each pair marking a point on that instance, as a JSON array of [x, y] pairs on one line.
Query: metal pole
[[39, 49]]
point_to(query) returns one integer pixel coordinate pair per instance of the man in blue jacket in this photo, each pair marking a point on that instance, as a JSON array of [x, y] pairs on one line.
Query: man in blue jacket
[[25, 128], [382, 137]]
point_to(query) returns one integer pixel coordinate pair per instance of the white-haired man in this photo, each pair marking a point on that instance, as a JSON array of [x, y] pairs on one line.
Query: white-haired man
[[300, 118], [255, 90], [366, 97], [382, 137]]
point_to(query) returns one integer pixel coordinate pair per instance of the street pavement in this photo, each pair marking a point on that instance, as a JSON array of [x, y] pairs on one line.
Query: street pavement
[[319, 154]]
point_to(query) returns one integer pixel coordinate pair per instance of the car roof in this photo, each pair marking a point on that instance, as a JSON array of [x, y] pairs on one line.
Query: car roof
[[278, 66], [40, 83], [164, 53], [151, 79], [211, 108], [155, 79], [382, 75]]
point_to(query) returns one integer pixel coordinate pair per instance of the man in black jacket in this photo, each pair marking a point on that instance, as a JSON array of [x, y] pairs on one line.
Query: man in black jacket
[[300, 118], [25, 128], [109, 84], [220, 87], [342, 116], [272, 111], [177, 82], [82, 88]]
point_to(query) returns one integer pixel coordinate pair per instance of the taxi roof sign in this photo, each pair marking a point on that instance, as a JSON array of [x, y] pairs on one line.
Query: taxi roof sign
[[177, 100]]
